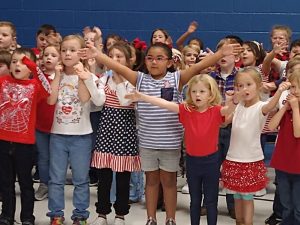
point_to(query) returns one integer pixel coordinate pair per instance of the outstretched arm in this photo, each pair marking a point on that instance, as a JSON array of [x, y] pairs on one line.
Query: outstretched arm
[[191, 29], [228, 49], [138, 96], [93, 52]]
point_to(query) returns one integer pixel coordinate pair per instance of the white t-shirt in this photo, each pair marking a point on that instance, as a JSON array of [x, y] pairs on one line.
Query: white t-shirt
[[247, 125], [71, 117]]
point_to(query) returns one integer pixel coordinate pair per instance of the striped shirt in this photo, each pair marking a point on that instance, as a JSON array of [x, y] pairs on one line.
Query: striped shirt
[[158, 127]]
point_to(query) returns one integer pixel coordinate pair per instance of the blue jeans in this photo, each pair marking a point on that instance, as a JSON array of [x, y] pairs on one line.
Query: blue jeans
[[203, 176], [76, 150], [289, 189], [136, 186], [42, 143]]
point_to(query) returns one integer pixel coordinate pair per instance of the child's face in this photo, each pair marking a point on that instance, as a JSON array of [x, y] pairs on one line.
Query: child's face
[[118, 56], [41, 41], [248, 57], [247, 87], [200, 95], [4, 70], [89, 38], [295, 89], [291, 70], [19, 70], [279, 37], [6, 38], [190, 57], [227, 62], [51, 57], [157, 62], [158, 37], [295, 50], [69, 49]]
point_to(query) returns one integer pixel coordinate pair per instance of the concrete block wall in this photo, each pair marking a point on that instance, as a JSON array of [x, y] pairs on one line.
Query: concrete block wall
[[217, 18]]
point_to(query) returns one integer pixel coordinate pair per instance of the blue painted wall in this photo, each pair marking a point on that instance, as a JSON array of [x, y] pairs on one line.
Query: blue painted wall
[[217, 18]]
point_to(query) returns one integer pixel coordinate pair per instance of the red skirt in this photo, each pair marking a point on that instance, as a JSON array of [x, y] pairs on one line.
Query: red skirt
[[244, 177]]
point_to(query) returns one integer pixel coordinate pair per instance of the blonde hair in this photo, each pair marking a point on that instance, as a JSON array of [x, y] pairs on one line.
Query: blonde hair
[[291, 64], [188, 48], [252, 71], [295, 77], [77, 37], [282, 28], [210, 83], [11, 26], [226, 41]]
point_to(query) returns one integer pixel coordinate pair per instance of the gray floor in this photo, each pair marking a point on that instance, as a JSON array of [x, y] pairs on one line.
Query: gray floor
[[137, 215]]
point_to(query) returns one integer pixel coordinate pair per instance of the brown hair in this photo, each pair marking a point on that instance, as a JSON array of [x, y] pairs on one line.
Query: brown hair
[[11, 25], [5, 57]]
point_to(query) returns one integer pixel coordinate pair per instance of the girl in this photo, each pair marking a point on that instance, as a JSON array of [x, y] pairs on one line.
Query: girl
[[50, 59], [190, 55], [286, 156], [243, 171], [70, 139], [201, 110], [110, 40], [116, 146], [160, 133]]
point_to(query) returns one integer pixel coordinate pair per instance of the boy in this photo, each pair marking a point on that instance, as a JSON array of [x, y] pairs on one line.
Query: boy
[[8, 39], [19, 94], [224, 76]]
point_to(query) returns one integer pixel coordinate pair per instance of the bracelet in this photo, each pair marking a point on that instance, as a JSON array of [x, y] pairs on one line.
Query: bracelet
[[235, 103]]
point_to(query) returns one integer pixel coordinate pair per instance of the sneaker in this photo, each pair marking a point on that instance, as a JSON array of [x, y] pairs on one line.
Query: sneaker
[[273, 220], [6, 221], [185, 189], [99, 221], [41, 193], [57, 220], [170, 221], [119, 221], [79, 221], [151, 221]]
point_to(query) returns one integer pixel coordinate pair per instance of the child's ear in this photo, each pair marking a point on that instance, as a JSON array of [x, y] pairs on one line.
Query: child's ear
[[170, 63], [237, 58]]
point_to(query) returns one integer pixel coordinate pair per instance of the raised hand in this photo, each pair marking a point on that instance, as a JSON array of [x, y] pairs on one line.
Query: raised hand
[[231, 49], [87, 53], [82, 73], [284, 86], [292, 102], [192, 27], [280, 48]]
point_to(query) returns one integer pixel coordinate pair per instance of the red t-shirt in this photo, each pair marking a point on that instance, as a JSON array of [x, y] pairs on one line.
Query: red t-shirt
[[44, 114], [286, 156], [201, 130]]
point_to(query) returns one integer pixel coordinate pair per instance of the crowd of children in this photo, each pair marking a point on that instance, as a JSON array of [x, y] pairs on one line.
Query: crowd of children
[[113, 111]]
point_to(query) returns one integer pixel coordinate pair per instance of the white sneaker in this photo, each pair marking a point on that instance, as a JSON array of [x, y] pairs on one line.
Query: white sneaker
[[99, 221], [185, 189], [119, 221], [41, 193]]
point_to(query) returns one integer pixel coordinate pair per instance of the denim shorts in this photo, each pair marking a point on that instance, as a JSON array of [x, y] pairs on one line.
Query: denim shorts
[[155, 159]]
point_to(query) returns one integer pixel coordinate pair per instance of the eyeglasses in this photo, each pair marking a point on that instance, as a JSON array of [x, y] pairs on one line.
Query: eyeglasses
[[157, 59]]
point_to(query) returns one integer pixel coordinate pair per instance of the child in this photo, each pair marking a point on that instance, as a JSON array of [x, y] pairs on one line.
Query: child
[[5, 59], [224, 76], [201, 110], [194, 41], [190, 55], [50, 59], [117, 120], [20, 93], [110, 40], [159, 140], [70, 139], [243, 171], [8, 35], [286, 155]]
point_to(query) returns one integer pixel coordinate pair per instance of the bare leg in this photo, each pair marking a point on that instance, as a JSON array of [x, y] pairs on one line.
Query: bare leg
[[248, 211], [168, 181], [151, 192]]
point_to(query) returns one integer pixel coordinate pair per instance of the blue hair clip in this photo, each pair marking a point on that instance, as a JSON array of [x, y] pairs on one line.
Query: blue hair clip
[[109, 73]]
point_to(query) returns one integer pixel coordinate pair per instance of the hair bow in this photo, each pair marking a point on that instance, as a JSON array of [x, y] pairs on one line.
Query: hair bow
[[137, 43]]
